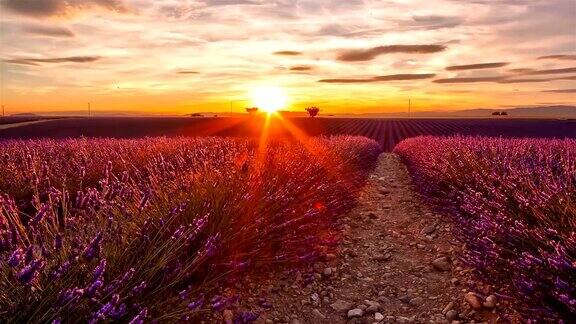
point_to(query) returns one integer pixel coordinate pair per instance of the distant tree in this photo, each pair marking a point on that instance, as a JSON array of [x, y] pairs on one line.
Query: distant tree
[[503, 113], [496, 113], [252, 110], [313, 111]]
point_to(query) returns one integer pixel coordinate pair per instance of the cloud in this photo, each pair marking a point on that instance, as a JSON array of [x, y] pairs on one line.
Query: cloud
[[370, 54], [214, 3], [393, 77], [46, 8], [35, 61], [51, 31], [188, 72], [521, 70], [552, 71], [501, 79], [528, 80], [470, 80], [288, 53], [476, 66], [558, 57], [301, 68], [432, 22], [561, 91]]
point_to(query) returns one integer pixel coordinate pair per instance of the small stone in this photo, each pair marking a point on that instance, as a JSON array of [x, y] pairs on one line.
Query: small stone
[[379, 257], [327, 272], [448, 308], [441, 264], [341, 305], [405, 299], [428, 230], [269, 321], [416, 301], [473, 300], [372, 215], [330, 256], [228, 316], [378, 317], [314, 297], [454, 281], [318, 314], [490, 302], [373, 306], [356, 312], [451, 315]]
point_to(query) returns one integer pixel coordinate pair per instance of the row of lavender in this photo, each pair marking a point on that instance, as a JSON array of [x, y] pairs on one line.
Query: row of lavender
[[515, 202], [100, 229]]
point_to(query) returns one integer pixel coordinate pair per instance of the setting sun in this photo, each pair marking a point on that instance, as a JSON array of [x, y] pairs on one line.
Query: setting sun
[[269, 99]]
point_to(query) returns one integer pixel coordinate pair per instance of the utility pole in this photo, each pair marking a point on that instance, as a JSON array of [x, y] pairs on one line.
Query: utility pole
[[3, 112], [88, 109]]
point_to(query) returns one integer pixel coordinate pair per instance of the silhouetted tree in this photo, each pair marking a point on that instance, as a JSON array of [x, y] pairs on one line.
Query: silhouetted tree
[[252, 110], [503, 113], [313, 111], [496, 113]]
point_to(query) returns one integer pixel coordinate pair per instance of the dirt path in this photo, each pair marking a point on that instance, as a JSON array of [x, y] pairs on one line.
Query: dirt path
[[13, 125], [398, 263]]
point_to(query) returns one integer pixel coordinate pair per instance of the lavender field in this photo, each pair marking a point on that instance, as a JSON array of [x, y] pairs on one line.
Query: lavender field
[[514, 203], [386, 131], [101, 230]]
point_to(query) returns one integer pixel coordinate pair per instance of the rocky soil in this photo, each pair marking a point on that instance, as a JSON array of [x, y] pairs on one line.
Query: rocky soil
[[398, 263]]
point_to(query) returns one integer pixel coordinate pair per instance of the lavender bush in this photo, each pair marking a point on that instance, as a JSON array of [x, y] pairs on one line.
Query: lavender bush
[[515, 203], [99, 230]]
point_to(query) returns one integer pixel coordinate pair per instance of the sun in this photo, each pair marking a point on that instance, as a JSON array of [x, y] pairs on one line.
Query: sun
[[269, 99]]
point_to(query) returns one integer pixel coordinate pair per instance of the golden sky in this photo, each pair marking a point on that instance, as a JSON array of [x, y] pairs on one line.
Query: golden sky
[[181, 56]]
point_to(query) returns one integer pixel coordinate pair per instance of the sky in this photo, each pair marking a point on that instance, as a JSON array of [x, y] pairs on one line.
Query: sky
[[345, 56]]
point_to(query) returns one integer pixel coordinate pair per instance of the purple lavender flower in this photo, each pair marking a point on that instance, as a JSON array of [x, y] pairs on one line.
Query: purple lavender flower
[[210, 246], [70, 296], [139, 319], [138, 289], [118, 311], [28, 273], [195, 305], [14, 259], [105, 310], [58, 242], [93, 288], [40, 215], [245, 317], [60, 270], [99, 270], [92, 250]]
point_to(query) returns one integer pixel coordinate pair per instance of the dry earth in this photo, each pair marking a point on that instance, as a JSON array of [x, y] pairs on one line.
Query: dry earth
[[14, 125], [398, 263]]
